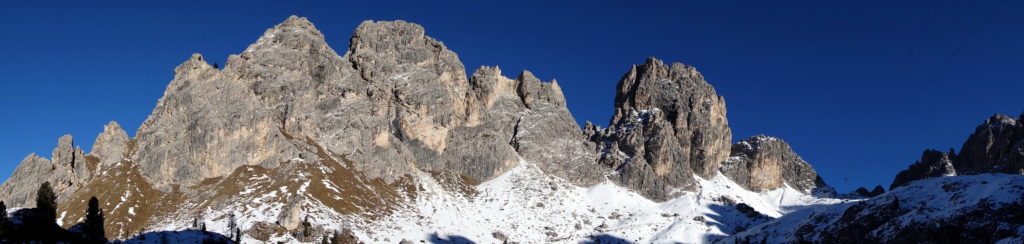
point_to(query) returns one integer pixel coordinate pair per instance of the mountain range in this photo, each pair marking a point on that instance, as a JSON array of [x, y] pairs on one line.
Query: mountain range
[[391, 141]]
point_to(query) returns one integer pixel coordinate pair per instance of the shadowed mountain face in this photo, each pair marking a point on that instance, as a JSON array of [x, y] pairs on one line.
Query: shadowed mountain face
[[291, 128], [996, 146]]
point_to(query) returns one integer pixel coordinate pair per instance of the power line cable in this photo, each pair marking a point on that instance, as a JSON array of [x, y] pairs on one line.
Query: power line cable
[[906, 60], [935, 75]]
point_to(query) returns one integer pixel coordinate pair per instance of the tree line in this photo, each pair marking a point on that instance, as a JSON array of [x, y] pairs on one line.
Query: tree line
[[39, 224]]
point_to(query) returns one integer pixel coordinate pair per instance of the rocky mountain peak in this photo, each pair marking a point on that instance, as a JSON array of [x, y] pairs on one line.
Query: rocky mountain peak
[[66, 171], [294, 33], [933, 163], [111, 144], [192, 66], [531, 88], [71, 157], [669, 125], [764, 163], [996, 146]]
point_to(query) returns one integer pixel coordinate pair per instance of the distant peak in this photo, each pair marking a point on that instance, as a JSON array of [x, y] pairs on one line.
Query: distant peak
[[297, 21], [399, 32], [112, 125], [194, 62], [653, 61], [370, 25], [999, 119], [526, 75], [294, 33]]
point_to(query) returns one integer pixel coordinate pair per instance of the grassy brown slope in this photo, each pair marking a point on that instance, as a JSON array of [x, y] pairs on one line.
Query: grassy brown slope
[[128, 201]]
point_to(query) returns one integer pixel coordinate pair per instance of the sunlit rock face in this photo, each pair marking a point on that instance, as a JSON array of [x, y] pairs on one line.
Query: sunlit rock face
[[668, 125]]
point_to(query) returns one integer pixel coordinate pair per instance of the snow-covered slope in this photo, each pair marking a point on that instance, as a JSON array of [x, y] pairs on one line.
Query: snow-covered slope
[[523, 205], [528, 206], [968, 209]]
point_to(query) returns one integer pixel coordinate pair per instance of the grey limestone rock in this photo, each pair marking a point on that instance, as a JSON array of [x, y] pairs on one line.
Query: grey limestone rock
[[669, 125], [396, 102], [763, 163], [66, 173], [110, 145]]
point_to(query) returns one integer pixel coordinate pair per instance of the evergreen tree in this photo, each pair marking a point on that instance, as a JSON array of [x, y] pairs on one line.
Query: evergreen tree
[[94, 221], [4, 221], [305, 227], [46, 201]]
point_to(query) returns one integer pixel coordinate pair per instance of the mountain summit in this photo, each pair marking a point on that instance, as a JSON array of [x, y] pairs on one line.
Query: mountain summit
[[392, 142]]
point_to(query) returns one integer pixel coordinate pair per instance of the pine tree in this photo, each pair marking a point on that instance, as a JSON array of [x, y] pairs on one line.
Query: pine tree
[[4, 221], [94, 221], [305, 227], [336, 239], [46, 201]]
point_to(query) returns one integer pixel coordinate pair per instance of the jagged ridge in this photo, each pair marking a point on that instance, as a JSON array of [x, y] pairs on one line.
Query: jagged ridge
[[394, 108]]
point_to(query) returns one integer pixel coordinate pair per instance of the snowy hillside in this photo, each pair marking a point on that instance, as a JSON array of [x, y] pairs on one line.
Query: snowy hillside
[[527, 206], [971, 209]]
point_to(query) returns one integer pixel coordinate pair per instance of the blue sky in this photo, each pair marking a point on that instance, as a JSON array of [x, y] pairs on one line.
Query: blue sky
[[859, 88]]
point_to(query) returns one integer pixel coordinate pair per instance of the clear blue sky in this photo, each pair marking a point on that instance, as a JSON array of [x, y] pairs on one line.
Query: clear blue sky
[[822, 76]]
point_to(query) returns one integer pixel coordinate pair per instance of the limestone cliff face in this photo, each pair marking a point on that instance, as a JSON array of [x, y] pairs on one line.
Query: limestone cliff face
[[66, 172], [111, 145], [668, 125], [398, 102], [996, 146], [764, 163]]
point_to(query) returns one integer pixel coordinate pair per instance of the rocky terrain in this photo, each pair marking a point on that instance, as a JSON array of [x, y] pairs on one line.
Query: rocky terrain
[[996, 146], [391, 141], [985, 208]]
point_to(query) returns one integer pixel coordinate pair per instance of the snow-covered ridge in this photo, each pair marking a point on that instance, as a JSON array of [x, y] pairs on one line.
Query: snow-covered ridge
[[973, 207]]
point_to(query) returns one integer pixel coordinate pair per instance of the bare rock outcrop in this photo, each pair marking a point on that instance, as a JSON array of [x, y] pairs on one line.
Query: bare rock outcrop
[[996, 146], [763, 163], [932, 164], [668, 125], [110, 145], [66, 172], [397, 101]]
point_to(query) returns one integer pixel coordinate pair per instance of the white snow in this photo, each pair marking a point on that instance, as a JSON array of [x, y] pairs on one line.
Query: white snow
[[524, 204], [330, 185], [531, 207], [60, 220], [931, 201]]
